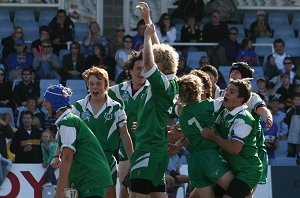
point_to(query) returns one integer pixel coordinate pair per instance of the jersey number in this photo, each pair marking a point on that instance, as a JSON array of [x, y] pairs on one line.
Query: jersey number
[[194, 120]]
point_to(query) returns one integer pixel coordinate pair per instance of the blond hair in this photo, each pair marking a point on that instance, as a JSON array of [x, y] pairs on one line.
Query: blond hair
[[167, 55], [190, 89]]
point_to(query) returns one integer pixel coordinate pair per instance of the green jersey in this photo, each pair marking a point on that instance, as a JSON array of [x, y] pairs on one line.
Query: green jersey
[[89, 172], [193, 118], [105, 123], [153, 116], [122, 93]]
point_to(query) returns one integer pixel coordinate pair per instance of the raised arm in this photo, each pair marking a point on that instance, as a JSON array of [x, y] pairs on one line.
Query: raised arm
[[148, 56]]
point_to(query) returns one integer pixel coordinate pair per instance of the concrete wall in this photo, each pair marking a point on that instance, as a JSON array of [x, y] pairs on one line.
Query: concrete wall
[[113, 13]]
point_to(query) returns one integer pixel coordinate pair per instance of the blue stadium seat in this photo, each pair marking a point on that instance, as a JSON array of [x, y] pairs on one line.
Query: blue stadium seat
[[78, 88], [193, 58], [47, 14], [225, 71], [4, 15], [284, 32], [263, 50], [23, 16], [278, 19], [7, 31], [249, 17], [62, 52], [178, 32], [30, 30], [81, 31], [45, 83], [10, 112]]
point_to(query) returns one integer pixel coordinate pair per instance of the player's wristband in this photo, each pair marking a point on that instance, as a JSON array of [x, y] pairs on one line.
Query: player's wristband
[[55, 156]]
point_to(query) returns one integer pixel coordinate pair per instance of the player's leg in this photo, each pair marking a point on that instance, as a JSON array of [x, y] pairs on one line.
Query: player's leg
[[111, 192], [123, 170], [237, 189], [205, 192], [158, 191], [225, 180]]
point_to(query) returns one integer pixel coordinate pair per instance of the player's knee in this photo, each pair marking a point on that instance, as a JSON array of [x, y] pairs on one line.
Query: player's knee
[[238, 189]]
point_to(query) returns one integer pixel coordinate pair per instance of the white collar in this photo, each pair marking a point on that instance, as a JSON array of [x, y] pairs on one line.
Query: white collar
[[237, 110], [62, 116]]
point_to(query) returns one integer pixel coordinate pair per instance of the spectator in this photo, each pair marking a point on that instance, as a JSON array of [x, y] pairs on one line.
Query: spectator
[[47, 64], [18, 60], [6, 94], [271, 140], [48, 150], [26, 143], [73, 63], [138, 39], [226, 8], [61, 29], [270, 91], [215, 30], [7, 119], [5, 132], [190, 32], [25, 88], [292, 121], [116, 42], [94, 37], [278, 118], [270, 68], [227, 50], [203, 61], [8, 43], [99, 59], [289, 68], [261, 87], [183, 68], [165, 29], [122, 55], [260, 28], [214, 76], [32, 106], [279, 53], [246, 53], [36, 46], [285, 91]]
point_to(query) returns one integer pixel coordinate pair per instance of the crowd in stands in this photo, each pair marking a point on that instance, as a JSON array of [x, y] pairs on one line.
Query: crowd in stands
[[56, 54]]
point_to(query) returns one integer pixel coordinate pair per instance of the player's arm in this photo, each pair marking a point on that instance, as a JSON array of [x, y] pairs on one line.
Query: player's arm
[[65, 166], [126, 139], [145, 13], [231, 146], [148, 56], [266, 115], [55, 161]]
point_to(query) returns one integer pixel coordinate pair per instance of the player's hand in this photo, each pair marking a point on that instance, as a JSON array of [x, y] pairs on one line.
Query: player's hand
[[183, 142], [175, 134], [149, 30], [60, 194], [269, 122], [209, 133], [145, 11], [55, 162], [27, 148], [173, 149]]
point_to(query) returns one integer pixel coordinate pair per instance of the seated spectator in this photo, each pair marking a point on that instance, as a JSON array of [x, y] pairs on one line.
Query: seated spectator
[[165, 29], [278, 117], [26, 143], [214, 76], [289, 68], [122, 55], [260, 28], [99, 59], [27, 87], [270, 68], [18, 60], [36, 46], [279, 53], [6, 94], [247, 54], [271, 140], [73, 63], [215, 30], [61, 30], [7, 119], [138, 39], [5, 132], [8, 43], [32, 106], [285, 91], [46, 65], [227, 50], [226, 8], [183, 68], [116, 42], [203, 61], [261, 87], [190, 32], [94, 37], [270, 92], [292, 120]]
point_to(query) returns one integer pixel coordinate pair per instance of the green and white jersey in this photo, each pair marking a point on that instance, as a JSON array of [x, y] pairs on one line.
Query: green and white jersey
[[196, 116], [105, 123], [239, 125], [89, 170], [122, 93], [153, 116], [253, 104]]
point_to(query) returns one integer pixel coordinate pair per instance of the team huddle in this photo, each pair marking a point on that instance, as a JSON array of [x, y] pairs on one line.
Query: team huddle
[[223, 135]]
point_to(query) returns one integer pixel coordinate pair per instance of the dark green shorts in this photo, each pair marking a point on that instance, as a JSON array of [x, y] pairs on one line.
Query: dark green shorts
[[263, 156]]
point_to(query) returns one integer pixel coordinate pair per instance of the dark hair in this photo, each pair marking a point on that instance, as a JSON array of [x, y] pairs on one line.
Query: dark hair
[[101, 47], [234, 28], [140, 22], [161, 25], [278, 41], [32, 98], [211, 69], [27, 113], [27, 70], [243, 68], [133, 57], [244, 88], [61, 11], [127, 36], [76, 44], [44, 28], [288, 58], [245, 42], [48, 41]]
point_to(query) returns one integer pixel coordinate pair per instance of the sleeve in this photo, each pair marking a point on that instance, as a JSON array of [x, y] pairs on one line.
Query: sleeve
[[36, 62], [121, 118], [241, 130], [15, 144], [171, 35], [255, 102], [67, 137], [9, 133], [218, 102]]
